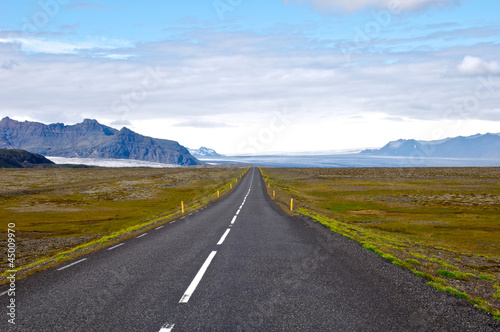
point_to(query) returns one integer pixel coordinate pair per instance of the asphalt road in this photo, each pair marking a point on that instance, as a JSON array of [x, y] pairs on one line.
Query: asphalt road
[[240, 264]]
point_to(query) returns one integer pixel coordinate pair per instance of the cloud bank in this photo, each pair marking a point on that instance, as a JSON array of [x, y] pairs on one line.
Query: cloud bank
[[354, 5]]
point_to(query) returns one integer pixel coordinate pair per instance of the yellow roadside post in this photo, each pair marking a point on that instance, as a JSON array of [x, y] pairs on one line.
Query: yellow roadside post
[[291, 204], [182, 206], [231, 185], [274, 193], [218, 195], [268, 185]]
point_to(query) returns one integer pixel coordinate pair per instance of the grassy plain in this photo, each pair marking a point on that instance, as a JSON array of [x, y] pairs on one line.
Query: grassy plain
[[59, 210], [441, 223]]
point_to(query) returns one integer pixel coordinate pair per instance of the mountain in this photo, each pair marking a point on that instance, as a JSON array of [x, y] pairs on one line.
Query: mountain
[[477, 146], [22, 159], [204, 152], [90, 139]]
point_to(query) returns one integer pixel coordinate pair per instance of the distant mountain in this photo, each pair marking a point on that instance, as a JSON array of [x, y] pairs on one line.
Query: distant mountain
[[204, 152], [477, 146], [22, 159], [90, 139]]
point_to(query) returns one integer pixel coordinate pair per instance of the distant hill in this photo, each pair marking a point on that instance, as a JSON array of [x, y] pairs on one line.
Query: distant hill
[[90, 139], [477, 146], [22, 159], [204, 152]]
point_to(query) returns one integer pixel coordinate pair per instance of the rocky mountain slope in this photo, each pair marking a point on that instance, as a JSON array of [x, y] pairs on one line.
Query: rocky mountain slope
[[90, 139]]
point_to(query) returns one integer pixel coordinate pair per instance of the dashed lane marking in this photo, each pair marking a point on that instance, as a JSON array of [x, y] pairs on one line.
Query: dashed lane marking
[[167, 327], [74, 263], [192, 287], [223, 237], [118, 245]]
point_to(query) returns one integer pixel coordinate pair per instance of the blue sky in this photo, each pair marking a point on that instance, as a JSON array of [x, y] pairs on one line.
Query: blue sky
[[254, 76]]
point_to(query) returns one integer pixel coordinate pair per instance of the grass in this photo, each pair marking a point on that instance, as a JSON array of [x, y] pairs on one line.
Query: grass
[[60, 213], [441, 223]]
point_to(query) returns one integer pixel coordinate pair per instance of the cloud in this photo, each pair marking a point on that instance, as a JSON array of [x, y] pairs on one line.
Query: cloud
[[202, 124], [33, 44], [203, 85], [395, 5], [9, 64], [120, 123], [471, 65]]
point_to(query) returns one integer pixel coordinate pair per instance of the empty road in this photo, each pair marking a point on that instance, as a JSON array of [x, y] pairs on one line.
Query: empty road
[[239, 264]]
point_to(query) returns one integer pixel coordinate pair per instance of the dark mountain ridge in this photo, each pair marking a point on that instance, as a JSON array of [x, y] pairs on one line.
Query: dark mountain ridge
[[22, 159], [476, 146], [90, 139]]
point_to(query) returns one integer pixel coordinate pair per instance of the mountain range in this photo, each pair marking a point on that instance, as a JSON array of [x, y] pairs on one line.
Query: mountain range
[[90, 139], [476, 146], [204, 152]]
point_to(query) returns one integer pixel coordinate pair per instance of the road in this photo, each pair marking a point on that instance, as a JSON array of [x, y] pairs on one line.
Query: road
[[240, 264]]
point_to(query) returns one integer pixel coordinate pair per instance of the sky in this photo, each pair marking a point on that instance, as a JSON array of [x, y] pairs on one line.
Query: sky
[[256, 76]]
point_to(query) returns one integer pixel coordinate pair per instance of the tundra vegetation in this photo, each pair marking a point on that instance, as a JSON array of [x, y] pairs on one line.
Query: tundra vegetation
[[443, 224], [62, 213]]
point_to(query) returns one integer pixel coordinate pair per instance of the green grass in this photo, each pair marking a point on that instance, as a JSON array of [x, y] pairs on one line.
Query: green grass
[[456, 274], [412, 261], [497, 288], [486, 277]]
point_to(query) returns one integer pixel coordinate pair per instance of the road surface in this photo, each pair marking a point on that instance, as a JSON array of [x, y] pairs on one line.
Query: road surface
[[240, 264]]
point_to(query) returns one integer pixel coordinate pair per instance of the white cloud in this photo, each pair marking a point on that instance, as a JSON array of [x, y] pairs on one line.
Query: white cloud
[[38, 45], [471, 65], [396, 5], [184, 90], [202, 124]]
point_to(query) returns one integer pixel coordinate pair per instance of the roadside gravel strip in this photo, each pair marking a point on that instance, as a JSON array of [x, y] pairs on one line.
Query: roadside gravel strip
[[241, 264]]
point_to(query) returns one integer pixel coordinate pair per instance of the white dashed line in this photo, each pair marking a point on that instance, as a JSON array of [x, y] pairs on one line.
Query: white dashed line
[[183, 217], [3, 293], [141, 235], [234, 219], [192, 287], [223, 237], [65, 267], [118, 245], [167, 327], [157, 228]]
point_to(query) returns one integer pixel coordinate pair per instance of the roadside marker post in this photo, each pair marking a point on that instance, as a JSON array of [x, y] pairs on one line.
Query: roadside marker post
[[231, 186], [218, 195], [291, 204], [268, 185], [274, 193], [182, 206]]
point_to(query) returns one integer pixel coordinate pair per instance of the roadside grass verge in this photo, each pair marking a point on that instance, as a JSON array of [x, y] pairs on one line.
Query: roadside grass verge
[[443, 224], [63, 213]]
